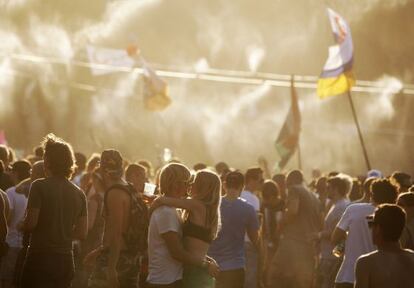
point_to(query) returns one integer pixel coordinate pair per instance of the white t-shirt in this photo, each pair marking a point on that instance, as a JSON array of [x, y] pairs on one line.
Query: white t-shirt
[[163, 269], [252, 200], [18, 204], [358, 241]]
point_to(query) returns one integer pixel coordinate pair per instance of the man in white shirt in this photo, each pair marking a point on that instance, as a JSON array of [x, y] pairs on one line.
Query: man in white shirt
[[359, 238], [165, 250], [17, 204], [254, 182]]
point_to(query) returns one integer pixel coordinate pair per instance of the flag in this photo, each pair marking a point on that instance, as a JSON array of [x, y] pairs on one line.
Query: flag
[[155, 89], [156, 95], [288, 139], [336, 77], [110, 57]]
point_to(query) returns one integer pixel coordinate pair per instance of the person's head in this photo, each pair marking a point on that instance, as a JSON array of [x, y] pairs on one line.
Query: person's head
[[406, 201], [174, 180], [234, 182], [20, 170], [147, 164], [280, 180], [199, 166], [93, 162], [383, 192], [356, 190], [339, 186], [403, 181], [110, 166], [294, 177], [58, 157], [270, 193], [4, 156], [38, 151], [321, 186], [387, 224], [221, 167], [38, 170], [136, 174], [80, 162], [207, 188], [254, 179], [367, 186]]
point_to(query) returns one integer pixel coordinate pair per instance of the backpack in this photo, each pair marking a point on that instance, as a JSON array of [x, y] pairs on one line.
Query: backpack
[[136, 235]]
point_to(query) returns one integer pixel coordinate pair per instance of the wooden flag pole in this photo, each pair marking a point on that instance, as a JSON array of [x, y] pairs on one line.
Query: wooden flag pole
[[361, 139], [299, 157]]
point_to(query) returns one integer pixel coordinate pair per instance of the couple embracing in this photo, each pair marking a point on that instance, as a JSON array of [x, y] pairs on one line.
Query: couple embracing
[[178, 239]]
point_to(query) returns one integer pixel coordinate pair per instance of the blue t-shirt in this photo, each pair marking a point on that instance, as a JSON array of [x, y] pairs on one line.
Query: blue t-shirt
[[228, 248]]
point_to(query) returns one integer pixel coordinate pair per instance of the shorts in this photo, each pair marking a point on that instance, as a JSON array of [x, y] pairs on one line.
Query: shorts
[[8, 263]]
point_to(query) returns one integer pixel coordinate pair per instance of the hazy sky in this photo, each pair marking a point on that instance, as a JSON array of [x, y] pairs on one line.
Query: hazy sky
[[278, 36]]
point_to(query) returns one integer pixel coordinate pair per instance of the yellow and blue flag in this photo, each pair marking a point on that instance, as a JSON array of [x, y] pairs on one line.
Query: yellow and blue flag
[[336, 77]]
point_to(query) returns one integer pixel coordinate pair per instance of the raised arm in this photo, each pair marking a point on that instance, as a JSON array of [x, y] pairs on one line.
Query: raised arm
[[188, 204]]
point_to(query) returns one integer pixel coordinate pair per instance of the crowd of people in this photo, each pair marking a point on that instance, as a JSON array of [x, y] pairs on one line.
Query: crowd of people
[[106, 222]]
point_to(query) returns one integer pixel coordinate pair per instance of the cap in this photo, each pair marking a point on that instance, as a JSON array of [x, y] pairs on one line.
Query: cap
[[111, 162]]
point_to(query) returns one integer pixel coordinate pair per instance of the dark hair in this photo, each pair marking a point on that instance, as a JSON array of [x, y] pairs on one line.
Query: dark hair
[[221, 166], [383, 191], [253, 173], [342, 183], [356, 190], [403, 180], [294, 177], [58, 157], [270, 188], [38, 151], [391, 220], [22, 169], [199, 166], [134, 168], [406, 199], [234, 180], [367, 184]]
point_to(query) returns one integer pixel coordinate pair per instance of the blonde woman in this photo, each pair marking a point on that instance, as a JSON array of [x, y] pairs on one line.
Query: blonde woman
[[201, 224]]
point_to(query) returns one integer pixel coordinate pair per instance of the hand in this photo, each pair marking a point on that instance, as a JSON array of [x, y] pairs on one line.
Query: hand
[[112, 277], [213, 268]]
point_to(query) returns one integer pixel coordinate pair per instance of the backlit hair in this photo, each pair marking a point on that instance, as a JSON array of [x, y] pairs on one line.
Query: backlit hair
[[171, 174], [208, 185]]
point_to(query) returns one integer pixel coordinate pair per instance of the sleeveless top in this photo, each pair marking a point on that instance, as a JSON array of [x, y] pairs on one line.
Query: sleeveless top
[[135, 237], [199, 232]]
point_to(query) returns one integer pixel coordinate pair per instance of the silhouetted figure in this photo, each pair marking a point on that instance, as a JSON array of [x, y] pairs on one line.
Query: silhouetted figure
[[56, 214], [354, 228], [390, 265]]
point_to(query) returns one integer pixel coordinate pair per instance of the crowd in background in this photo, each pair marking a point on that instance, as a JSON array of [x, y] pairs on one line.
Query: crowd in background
[[71, 221]]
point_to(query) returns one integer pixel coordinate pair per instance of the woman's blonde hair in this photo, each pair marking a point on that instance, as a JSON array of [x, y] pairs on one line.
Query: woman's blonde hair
[[171, 174], [208, 186]]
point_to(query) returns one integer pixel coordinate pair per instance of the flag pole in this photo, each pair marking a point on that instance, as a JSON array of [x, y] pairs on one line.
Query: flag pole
[[299, 152], [299, 156], [361, 139]]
